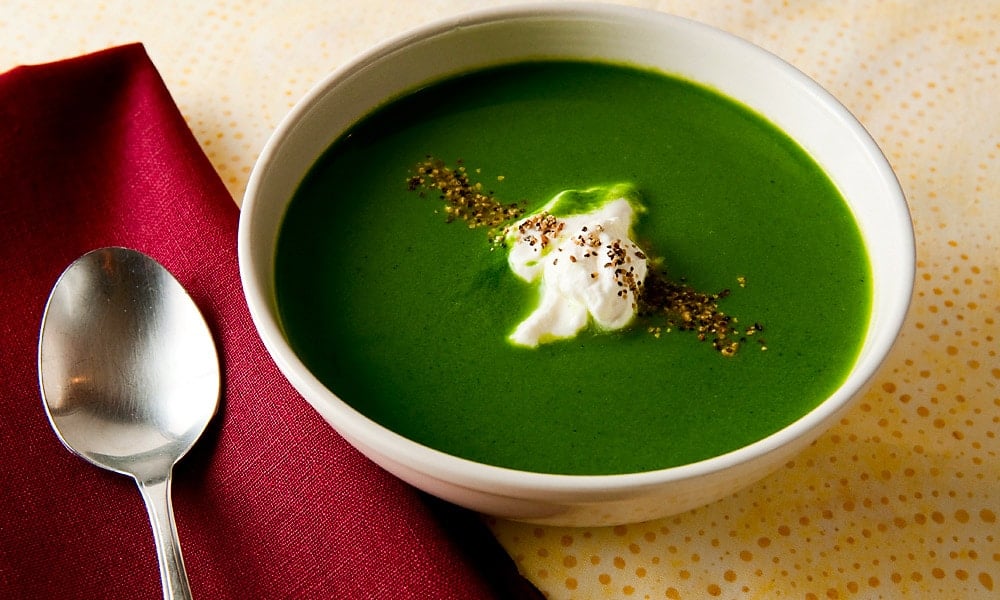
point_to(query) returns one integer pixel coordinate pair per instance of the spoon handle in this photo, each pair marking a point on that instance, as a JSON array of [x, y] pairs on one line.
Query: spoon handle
[[156, 494]]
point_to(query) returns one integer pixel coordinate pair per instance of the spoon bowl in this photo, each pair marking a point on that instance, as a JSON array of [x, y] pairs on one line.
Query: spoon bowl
[[129, 377]]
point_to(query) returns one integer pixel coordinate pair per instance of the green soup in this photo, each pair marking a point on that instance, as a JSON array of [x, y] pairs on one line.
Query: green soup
[[406, 316]]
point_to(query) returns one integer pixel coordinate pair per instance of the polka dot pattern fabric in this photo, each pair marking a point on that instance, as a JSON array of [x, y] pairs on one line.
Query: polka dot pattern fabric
[[901, 498]]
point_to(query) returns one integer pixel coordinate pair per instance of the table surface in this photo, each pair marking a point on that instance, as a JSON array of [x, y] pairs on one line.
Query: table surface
[[901, 498]]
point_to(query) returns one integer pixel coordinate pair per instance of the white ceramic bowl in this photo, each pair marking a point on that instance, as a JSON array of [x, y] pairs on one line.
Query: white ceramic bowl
[[604, 32]]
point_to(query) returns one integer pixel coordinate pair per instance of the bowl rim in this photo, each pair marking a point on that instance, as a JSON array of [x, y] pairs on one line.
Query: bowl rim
[[373, 437]]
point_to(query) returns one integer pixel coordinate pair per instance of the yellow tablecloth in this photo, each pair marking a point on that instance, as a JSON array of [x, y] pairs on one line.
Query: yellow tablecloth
[[901, 499]]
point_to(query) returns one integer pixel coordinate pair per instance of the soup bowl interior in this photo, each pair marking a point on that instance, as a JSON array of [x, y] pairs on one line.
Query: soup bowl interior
[[757, 79]]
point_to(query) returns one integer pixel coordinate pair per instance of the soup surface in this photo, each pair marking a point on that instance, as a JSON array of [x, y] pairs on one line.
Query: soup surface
[[406, 316]]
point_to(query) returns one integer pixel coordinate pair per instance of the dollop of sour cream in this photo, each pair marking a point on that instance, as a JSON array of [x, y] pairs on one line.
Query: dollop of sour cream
[[579, 249]]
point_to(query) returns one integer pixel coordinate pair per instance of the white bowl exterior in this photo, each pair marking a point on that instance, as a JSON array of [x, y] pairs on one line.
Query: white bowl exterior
[[643, 38]]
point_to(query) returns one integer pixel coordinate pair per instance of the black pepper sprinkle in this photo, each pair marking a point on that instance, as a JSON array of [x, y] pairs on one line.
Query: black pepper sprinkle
[[463, 199], [690, 310]]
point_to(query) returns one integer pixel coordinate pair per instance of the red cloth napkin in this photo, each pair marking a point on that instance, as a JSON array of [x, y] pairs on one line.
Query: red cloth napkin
[[271, 503]]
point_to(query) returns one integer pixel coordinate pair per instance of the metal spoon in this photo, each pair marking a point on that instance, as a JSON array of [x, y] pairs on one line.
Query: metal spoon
[[130, 379]]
